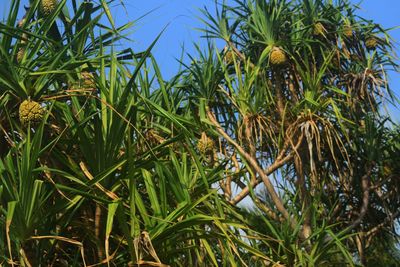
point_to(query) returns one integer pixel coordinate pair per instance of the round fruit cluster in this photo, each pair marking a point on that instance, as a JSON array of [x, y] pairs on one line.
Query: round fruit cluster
[[47, 6], [205, 144], [319, 29], [371, 42], [30, 112], [277, 57]]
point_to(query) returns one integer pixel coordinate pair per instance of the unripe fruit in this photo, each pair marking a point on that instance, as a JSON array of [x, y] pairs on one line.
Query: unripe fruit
[[47, 7], [319, 29], [20, 54], [277, 57], [348, 31], [371, 43], [387, 171], [205, 144], [30, 112], [229, 57], [335, 61], [153, 138], [88, 80], [24, 39], [355, 57]]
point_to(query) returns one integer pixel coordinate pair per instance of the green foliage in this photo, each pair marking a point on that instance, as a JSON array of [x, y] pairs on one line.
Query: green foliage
[[125, 168]]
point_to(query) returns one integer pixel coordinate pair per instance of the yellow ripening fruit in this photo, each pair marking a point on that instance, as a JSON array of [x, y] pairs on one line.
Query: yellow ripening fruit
[[205, 144], [30, 112], [47, 7], [277, 57], [387, 171], [319, 29], [88, 80], [20, 54], [153, 138], [348, 31], [355, 57], [362, 125], [229, 57], [24, 39], [335, 61], [371, 42]]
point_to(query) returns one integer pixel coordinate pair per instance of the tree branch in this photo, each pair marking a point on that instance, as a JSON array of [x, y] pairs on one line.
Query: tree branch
[[253, 163], [279, 162], [365, 200]]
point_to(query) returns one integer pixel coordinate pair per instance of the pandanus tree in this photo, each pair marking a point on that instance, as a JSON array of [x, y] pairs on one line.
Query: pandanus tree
[[295, 100], [98, 164], [104, 162]]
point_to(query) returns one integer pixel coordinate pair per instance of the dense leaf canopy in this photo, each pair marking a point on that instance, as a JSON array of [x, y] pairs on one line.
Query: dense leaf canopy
[[103, 161]]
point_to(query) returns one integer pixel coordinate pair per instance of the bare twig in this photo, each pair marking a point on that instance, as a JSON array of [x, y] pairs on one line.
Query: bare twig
[[242, 57], [279, 162], [365, 199], [388, 220], [271, 190]]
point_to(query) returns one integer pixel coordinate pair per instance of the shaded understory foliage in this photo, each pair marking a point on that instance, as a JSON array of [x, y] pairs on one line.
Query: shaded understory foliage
[[103, 161]]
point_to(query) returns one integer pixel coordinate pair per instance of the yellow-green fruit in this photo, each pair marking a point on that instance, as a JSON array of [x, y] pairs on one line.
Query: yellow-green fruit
[[229, 57], [335, 62], [319, 29], [20, 54], [47, 6], [153, 138], [30, 112], [348, 31], [88, 80], [371, 43], [24, 39], [277, 57], [355, 57], [205, 144], [362, 124], [387, 171]]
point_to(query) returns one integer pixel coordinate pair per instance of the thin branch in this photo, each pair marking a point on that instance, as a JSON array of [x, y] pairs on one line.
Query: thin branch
[[365, 200], [274, 196], [387, 220], [242, 57], [279, 162]]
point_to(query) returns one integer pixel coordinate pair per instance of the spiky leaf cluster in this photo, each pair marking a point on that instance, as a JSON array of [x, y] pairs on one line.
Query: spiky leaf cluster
[[114, 177], [310, 85]]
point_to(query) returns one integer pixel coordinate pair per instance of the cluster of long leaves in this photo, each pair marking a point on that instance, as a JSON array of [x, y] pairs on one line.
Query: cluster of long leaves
[[311, 130], [115, 173], [111, 174]]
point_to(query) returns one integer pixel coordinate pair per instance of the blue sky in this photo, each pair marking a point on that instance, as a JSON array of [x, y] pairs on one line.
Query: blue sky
[[386, 13], [181, 16]]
